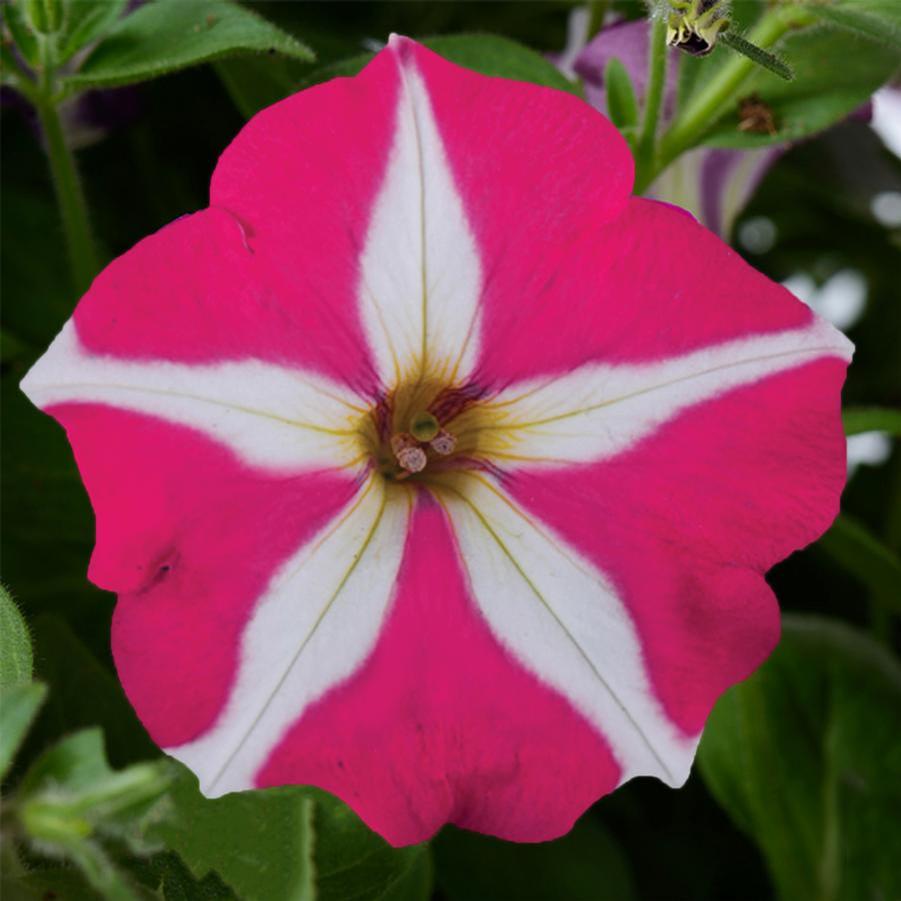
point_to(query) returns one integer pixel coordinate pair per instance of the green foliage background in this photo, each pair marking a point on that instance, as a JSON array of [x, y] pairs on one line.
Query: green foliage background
[[797, 794]]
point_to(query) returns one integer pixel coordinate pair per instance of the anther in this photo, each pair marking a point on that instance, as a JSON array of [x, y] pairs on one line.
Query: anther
[[443, 443], [409, 454]]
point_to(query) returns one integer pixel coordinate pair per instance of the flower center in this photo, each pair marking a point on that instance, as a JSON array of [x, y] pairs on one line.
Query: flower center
[[423, 430]]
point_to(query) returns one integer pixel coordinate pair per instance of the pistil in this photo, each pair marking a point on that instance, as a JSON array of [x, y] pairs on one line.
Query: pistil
[[411, 449], [424, 426]]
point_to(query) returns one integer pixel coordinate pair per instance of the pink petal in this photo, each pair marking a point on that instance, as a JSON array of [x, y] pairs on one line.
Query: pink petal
[[272, 417], [420, 269], [189, 537], [538, 170], [302, 178], [651, 284], [442, 725], [600, 410], [219, 304], [317, 622], [687, 523], [270, 270]]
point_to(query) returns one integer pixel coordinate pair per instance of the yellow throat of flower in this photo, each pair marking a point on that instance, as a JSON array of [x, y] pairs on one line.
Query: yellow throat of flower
[[424, 430]]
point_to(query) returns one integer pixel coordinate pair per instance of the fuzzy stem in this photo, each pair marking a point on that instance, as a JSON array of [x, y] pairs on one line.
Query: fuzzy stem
[[597, 11], [755, 54], [66, 183], [69, 197], [646, 145]]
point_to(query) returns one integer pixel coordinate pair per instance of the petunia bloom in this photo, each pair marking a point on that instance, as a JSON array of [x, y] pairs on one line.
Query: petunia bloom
[[432, 468]]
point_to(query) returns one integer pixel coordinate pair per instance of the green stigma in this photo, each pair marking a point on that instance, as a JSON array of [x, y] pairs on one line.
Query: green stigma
[[424, 426]]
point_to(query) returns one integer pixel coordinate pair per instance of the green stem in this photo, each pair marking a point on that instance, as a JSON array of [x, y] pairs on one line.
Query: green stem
[[646, 145], [709, 104], [69, 196], [597, 10], [67, 185]]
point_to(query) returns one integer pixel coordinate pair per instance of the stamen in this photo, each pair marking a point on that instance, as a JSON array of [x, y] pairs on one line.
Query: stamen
[[409, 454], [443, 443], [424, 426]]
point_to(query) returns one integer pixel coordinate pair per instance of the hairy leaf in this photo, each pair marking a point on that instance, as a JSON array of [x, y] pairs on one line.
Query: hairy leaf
[[15, 644], [19, 705], [22, 36], [288, 843], [86, 21], [876, 19], [167, 35]]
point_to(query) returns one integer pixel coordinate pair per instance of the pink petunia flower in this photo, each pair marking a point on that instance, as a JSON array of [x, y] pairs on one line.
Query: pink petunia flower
[[432, 468]]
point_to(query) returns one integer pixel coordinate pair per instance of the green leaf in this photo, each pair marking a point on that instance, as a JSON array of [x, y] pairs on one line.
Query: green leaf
[[860, 552], [15, 644], [167, 35], [260, 844], [805, 756], [10, 73], [286, 843], [879, 20], [177, 884], [79, 783], [100, 871], [622, 104], [352, 861], [255, 82], [587, 863], [75, 761], [492, 54], [416, 883], [14, 21], [19, 705], [71, 804], [835, 73], [44, 16], [86, 21], [342, 68], [871, 419]]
